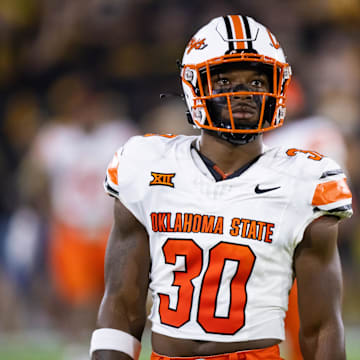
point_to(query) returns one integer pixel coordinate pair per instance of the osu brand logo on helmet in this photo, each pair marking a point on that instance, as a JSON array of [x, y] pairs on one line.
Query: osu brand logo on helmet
[[234, 42], [196, 44]]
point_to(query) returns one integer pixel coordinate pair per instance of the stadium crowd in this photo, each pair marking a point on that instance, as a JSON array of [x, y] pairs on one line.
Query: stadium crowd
[[77, 78]]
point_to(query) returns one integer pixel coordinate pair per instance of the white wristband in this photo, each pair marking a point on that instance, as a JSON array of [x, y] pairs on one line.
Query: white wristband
[[113, 339]]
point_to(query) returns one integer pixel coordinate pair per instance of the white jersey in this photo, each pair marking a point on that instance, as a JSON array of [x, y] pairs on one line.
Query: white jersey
[[222, 252], [74, 161]]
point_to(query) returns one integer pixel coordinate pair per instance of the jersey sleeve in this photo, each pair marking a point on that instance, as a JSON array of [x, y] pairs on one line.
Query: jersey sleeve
[[111, 183], [332, 195], [322, 190], [122, 180]]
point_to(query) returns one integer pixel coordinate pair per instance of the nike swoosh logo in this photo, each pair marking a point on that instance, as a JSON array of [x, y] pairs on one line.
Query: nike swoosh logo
[[261, 191]]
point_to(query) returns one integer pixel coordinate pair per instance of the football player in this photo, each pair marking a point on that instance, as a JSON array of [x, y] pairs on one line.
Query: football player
[[217, 226]]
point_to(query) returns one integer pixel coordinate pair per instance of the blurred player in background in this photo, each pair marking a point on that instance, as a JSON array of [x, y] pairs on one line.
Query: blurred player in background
[[218, 225], [61, 179], [315, 133]]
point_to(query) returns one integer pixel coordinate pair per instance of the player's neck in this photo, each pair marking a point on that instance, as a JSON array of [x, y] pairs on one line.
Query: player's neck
[[226, 156]]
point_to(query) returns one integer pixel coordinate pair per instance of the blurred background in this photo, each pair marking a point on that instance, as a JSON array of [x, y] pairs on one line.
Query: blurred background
[[77, 79]]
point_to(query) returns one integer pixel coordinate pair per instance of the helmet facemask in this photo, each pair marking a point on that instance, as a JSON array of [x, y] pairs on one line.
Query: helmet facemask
[[215, 110]]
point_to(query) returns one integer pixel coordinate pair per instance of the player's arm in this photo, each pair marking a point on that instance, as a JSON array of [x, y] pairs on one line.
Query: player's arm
[[127, 265], [318, 273]]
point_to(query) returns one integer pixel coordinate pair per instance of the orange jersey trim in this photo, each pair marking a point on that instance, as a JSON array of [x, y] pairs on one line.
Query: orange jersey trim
[[112, 170], [169, 136], [220, 172], [330, 192], [239, 33]]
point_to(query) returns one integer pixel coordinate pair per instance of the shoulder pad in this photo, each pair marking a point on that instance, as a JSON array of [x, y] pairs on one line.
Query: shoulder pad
[[148, 146], [331, 194]]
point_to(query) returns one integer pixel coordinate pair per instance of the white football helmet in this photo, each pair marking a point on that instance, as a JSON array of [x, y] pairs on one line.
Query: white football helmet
[[235, 41]]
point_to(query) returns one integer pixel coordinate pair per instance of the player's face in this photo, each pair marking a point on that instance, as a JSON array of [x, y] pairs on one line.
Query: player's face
[[245, 108]]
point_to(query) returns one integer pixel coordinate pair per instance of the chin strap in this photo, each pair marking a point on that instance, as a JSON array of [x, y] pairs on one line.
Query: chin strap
[[235, 139]]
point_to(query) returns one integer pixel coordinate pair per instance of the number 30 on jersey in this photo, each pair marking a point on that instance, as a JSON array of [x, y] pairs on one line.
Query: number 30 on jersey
[[244, 259]]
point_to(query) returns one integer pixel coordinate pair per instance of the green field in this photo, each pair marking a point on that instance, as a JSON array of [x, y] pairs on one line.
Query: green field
[[51, 347]]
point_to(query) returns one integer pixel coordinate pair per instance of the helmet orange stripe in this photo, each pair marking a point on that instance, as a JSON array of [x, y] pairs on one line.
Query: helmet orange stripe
[[331, 191], [239, 31]]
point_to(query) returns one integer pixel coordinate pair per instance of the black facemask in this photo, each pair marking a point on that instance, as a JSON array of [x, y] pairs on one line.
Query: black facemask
[[218, 104]]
